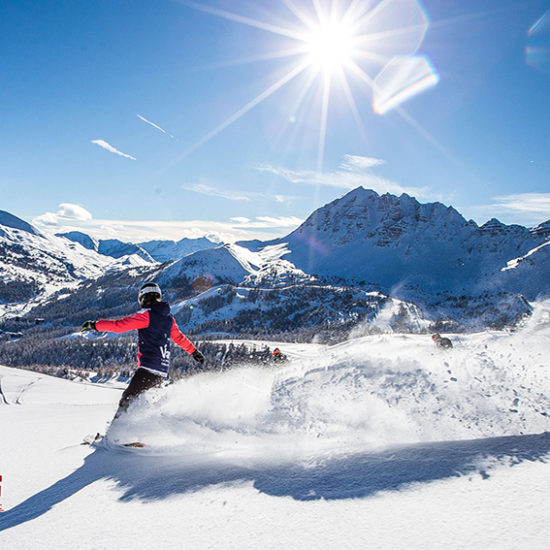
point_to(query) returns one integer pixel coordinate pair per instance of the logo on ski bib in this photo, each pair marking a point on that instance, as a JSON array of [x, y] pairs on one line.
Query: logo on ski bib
[[165, 355]]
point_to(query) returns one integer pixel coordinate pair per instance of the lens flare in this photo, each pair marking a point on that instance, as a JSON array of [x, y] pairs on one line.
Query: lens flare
[[401, 79], [537, 53]]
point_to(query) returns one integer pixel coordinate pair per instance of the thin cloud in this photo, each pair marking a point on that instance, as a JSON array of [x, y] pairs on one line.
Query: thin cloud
[[353, 163], [282, 221], [532, 203], [530, 208], [236, 229], [154, 125], [211, 191], [233, 195], [527, 209], [353, 173], [108, 147]]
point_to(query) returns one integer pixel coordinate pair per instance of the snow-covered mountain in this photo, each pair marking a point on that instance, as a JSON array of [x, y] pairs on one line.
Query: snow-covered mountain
[[34, 266], [459, 275], [397, 242], [167, 251], [13, 222], [78, 237], [214, 265], [108, 247], [160, 250]]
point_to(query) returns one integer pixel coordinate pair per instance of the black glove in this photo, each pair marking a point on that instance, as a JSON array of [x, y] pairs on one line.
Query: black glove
[[88, 325], [198, 356]]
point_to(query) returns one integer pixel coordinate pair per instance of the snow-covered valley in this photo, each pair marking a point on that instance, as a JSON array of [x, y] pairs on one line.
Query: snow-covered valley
[[383, 441]]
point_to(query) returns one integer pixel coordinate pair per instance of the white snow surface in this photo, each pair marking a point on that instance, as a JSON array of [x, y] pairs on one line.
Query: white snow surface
[[379, 442]]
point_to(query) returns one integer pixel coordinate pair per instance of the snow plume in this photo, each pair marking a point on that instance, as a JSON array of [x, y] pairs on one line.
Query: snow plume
[[373, 392], [154, 125], [108, 147]]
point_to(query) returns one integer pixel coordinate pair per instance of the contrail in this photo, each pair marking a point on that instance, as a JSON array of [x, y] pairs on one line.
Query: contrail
[[154, 125], [111, 149]]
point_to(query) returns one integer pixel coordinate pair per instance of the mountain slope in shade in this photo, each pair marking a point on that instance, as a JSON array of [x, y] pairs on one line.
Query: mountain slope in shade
[[395, 241], [533, 267], [117, 249], [78, 237], [9, 220]]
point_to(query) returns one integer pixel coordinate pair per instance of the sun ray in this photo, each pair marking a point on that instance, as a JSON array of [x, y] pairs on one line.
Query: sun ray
[[281, 54], [323, 126], [275, 29], [353, 106], [313, 74], [299, 14], [250, 105], [295, 108], [361, 74]]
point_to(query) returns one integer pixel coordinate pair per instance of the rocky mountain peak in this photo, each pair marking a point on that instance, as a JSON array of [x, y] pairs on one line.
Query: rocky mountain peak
[[363, 213], [542, 230]]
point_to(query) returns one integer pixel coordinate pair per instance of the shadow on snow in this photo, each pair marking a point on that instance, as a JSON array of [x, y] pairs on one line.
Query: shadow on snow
[[152, 478]]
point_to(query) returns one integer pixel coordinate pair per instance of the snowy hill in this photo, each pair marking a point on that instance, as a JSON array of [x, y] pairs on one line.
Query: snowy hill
[[108, 247], [226, 263], [33, 266], [167, 251], [379, 442], [78, 237], [161, 250], [9, 220]]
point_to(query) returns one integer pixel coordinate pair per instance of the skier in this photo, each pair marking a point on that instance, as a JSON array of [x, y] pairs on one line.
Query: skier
[[442, 342], [156, 326], [277, 356]]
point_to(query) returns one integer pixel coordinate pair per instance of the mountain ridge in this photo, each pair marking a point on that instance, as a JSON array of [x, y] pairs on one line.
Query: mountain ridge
[[436, 268]]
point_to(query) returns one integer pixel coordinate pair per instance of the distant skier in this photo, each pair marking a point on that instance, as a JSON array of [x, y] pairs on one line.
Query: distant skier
[[156, 326], [442, 342], [278, 357]]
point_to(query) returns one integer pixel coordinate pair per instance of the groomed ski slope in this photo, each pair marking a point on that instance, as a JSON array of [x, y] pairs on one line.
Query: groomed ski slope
[[380, 442]]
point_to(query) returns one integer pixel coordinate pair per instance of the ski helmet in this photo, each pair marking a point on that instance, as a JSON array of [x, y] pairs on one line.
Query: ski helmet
[[149, 290]]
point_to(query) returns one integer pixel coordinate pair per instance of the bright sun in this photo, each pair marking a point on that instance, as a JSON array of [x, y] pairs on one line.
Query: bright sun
[[330, 45]]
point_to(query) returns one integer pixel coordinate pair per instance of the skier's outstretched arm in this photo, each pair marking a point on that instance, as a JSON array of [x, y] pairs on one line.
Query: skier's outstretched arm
[[136, 321], [183, 342]]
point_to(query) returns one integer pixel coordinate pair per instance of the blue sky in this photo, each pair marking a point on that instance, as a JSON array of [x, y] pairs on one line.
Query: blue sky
[[122, 118]]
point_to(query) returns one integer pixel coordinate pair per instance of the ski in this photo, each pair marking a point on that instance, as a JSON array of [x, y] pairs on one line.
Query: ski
[[91, 439]]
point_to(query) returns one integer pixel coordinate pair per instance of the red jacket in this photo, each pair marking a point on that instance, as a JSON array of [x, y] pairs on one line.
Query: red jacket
[[156, 326]]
